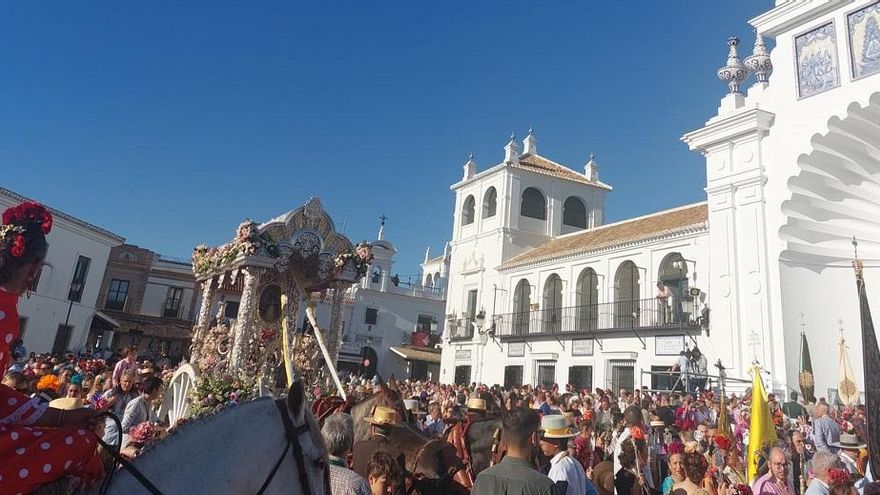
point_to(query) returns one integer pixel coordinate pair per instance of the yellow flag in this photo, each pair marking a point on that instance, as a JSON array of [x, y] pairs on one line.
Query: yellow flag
[[762, 432]]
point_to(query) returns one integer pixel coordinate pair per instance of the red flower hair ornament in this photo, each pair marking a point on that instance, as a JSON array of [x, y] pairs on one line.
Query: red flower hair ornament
[[722, 442], [636, 432], [17, 220], [29, 213], [838, 476]]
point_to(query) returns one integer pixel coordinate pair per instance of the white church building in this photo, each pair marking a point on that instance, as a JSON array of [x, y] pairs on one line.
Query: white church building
[[541, 290]]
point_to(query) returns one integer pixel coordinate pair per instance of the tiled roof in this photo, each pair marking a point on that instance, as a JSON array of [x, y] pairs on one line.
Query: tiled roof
[[18, 198], [540, 165], [667, 222]]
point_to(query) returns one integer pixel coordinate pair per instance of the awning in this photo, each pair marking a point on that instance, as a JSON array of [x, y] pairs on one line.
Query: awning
[[424, 354], [107, 319], [348, 358]]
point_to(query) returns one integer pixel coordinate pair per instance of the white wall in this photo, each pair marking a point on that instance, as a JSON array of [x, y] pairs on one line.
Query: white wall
[[488, 362], [48, 306]]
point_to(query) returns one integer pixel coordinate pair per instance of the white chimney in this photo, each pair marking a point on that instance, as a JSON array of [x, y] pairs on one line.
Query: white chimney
[[511, 151]]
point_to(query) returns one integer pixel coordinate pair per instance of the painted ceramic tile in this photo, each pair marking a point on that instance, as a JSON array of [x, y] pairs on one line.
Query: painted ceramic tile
[[816, 53], [864, 40]]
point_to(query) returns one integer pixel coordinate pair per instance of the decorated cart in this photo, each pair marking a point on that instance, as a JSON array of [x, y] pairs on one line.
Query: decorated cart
[[273, 272]]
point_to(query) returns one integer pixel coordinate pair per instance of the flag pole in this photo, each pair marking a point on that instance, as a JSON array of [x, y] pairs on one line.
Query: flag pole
[[871, 367]]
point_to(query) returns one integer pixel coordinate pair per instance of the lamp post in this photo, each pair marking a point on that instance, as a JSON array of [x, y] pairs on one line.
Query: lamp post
[[478, 323], [75, 288]]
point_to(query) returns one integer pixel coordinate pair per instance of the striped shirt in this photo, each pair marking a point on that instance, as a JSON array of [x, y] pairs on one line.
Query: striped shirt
[[344, 481]]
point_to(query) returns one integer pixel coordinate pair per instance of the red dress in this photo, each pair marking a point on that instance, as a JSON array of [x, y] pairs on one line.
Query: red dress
[[32, 456]]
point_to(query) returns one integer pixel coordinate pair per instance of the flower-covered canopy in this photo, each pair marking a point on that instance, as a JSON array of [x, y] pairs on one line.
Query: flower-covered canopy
[[304, 240]]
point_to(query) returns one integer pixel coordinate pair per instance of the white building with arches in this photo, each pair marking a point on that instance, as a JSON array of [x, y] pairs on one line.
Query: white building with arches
[[793, 173]]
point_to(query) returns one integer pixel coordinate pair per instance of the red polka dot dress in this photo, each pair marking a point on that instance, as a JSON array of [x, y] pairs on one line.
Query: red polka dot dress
[[32, 456]]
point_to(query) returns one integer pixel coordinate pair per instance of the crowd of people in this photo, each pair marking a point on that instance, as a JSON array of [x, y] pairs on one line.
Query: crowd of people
[[631, 442], [555, 439]]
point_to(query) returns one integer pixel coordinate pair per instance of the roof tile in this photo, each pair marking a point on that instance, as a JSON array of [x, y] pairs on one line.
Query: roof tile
[[646, 227]]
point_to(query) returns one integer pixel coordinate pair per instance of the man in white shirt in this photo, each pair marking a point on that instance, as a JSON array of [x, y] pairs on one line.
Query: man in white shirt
[[633, 417], [564, 470], [821, 463]]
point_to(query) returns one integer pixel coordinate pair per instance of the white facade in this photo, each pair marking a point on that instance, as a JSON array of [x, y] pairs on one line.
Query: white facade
[[792, 172], [792, 175], [385, 311], [48, 306]]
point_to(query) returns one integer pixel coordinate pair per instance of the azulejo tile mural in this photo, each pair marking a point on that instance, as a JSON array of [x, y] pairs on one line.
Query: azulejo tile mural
[[817, 65], [864, 40]]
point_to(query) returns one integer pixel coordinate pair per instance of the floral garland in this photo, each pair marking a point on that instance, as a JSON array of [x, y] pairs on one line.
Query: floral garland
[[248, 240], [215, 392], [362, 257]]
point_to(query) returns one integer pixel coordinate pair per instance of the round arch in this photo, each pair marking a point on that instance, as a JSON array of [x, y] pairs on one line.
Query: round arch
[[627, 290], [522, 304], [490, 202], [468, 210], [551, 310], [533, 204], [574, 213], [587, 299]]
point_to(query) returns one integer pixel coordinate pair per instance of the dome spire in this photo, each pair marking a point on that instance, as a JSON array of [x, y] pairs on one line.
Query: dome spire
[[530, 143], [759, 61], [470, 167], [511, 151], [734, 73], [381, 235], [591, 169]]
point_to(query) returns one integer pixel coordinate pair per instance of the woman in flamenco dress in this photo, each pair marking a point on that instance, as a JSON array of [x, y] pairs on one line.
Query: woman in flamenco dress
[[38, 444]]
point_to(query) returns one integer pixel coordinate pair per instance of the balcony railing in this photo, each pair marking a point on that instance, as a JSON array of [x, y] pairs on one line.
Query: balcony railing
[[645, 314], [463, 330]]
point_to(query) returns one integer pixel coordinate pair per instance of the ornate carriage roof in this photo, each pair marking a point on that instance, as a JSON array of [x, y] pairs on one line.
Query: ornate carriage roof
[[302, 240]]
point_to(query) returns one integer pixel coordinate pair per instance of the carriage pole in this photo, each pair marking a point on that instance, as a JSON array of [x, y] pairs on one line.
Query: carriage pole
[[310, 314]]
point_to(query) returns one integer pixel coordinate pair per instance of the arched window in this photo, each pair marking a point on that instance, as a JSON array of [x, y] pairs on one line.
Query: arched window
[[626, 296], [467, 211], [574, 213], [522, 306], [429, 280], [673, 300], [490, 202], [588, 300], [552, 310], [533, 204]]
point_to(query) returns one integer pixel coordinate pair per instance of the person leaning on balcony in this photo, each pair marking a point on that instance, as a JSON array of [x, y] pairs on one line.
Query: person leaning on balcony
[[664, 300]]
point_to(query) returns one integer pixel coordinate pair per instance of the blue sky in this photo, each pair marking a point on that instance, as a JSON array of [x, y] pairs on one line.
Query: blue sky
[[170, 122]]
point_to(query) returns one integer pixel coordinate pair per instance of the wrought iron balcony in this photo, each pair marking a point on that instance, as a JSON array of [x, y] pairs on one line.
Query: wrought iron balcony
[[673, 313], [460, 330]]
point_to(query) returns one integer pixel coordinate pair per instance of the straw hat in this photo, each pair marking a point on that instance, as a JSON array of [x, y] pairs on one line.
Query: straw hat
[[68, 403], [556, 426], [848, 442], [412, 406], [476, 404], [382, 415]]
